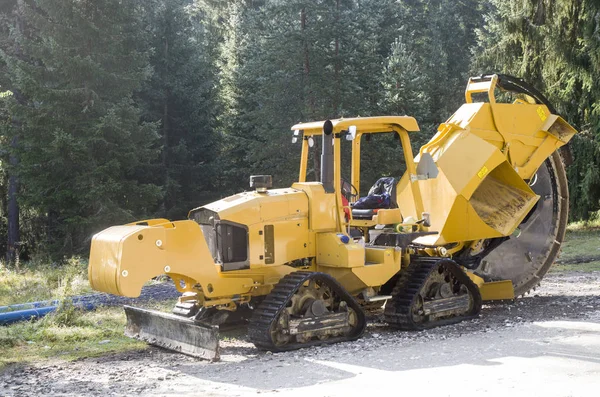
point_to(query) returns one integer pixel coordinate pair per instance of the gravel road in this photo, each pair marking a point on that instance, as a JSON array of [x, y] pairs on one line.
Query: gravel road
[[547, 344]]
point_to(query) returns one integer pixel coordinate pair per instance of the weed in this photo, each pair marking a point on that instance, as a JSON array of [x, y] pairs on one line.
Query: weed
[[35, 282], [591, 224]]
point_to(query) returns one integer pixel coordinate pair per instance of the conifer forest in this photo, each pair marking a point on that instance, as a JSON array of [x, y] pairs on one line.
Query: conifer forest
[[118, 110]]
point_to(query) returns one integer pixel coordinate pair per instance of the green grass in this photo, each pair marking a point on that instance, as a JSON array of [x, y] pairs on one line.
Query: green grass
[[68, 333], [577, 267], [581, 246], [591, 224], [33, 282], [581, 249]]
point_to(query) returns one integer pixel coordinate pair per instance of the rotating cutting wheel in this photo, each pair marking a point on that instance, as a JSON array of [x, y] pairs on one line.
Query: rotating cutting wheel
[[532, 249]]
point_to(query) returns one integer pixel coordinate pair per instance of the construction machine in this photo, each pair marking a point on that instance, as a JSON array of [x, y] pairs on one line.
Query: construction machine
[[479, 214]]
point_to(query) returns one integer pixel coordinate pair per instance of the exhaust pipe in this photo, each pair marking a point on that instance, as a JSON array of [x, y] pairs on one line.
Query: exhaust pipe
[[327, 157]]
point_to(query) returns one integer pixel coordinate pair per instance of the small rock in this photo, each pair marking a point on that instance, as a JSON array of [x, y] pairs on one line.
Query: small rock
[[104, 342]]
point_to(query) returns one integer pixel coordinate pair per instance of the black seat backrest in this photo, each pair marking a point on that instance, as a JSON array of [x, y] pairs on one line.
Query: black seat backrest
[[381, 195], [385, 185]]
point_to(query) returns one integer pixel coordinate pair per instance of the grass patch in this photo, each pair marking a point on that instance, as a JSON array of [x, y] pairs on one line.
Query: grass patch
[[67, 334], [576, 267], [34, 282], [581, 249], [591, 224], [581, 246]]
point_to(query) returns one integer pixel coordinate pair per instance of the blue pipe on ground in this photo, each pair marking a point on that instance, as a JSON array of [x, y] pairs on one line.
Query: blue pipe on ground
[[24, 306], [27, 311], [28, 314], [22, 315], [56, 302]]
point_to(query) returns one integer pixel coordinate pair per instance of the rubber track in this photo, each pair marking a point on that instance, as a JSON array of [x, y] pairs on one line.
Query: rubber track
[[398, 310], [267, 313]]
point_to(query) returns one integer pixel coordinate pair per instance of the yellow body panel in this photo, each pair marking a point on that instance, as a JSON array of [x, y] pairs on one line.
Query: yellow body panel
[[379, 265], [124, 258], [388, 216], [323, 206], [332, 252]]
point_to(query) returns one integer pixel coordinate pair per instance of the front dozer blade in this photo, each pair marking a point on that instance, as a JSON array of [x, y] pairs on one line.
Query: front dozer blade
[[173, 332]]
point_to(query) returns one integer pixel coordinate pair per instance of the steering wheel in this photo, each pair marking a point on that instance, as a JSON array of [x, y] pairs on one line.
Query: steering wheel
[[349, 190]]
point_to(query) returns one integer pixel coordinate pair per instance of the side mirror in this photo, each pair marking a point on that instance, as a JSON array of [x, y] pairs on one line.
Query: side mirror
[[296, 136], [351, 135]]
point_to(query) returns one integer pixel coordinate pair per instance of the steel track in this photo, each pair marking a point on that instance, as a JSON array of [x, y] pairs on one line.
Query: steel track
[[266, 315], [399, 310]]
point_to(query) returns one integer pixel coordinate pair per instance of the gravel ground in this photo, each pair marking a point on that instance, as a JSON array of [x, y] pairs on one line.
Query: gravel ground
[[546, 342]]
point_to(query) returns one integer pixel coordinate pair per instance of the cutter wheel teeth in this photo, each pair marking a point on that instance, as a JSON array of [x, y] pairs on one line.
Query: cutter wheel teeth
[[306, 309], [432, 292]]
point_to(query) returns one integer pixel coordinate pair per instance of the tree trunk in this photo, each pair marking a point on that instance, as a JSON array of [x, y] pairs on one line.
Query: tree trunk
[[13, 232], [14, 237]]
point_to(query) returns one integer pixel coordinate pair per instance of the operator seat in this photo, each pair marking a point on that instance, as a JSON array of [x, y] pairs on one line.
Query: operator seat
[[381, 195]]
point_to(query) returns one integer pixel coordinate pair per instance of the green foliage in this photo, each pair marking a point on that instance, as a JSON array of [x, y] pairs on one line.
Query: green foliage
[[37, 280], [180, 95], [68, 332], [82, 335], [83, 152]]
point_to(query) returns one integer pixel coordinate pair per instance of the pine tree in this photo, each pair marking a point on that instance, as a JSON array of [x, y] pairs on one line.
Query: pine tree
[[285, 62], [11, 28], [180, 95], [402, 93], [403, 82], [83, 149]]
